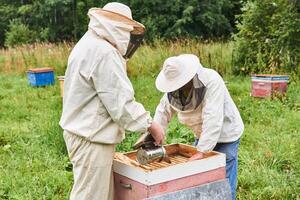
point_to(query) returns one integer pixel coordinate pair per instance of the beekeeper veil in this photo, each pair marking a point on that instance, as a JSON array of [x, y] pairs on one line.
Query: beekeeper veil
[[114, 23]]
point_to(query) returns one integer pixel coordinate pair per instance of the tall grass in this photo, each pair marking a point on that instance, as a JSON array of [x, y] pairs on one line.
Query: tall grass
[[147, 60], [19, 59]]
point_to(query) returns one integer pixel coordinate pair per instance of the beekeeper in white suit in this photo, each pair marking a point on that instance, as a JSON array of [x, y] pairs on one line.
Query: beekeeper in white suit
[[202, 102], [98, 101]]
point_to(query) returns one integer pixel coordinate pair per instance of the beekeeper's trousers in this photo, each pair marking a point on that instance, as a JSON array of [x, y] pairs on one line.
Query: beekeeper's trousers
[[92, 168]]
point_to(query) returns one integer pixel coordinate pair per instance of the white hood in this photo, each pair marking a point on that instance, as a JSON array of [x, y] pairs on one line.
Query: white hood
[[117, 33]]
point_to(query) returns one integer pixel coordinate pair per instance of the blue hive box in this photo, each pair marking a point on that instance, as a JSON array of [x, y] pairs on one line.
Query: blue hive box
[[40, 76]]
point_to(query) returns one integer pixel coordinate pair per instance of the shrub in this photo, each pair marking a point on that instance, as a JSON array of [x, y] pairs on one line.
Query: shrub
[[19, 33], [268, 38]]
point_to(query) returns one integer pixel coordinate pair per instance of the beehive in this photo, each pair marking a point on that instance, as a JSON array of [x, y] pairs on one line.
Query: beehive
[[268, 85], [141, 182], [40, 76]]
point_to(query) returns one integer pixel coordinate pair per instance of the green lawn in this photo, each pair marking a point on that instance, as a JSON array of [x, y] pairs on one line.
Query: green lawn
[[34, 163]]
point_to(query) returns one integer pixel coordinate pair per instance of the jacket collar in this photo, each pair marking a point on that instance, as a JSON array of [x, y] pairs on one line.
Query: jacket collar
[[202, 75]]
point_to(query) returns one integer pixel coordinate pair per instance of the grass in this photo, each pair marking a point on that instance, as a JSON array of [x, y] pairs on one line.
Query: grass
[[34, 163], [18, 60], [33, 159], [147, 59]]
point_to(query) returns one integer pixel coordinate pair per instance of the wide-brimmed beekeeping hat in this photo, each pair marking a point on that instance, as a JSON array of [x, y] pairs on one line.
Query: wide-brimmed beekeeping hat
[[121, 13], [176, 72]]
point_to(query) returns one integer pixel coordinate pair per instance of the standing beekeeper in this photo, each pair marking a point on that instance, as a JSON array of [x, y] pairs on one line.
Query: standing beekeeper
[[202, 102], [98, 101]]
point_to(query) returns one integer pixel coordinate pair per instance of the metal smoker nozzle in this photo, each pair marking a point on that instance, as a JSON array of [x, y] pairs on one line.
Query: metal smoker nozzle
[[145, 141]]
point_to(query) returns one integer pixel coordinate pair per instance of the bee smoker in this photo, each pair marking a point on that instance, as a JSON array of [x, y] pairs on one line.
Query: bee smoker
[[146, 156], [148, 152]]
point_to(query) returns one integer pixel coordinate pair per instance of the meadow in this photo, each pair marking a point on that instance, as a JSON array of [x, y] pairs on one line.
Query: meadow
[[33, 159]]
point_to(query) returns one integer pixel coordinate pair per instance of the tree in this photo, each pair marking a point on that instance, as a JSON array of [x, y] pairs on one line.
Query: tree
[[192, 18], [6, 14], [57, 20]]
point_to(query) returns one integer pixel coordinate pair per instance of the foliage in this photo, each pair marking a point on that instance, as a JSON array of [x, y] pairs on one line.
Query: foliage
[[6, 14], [268, 38], [193, 18], [18, 33], [58, 20]]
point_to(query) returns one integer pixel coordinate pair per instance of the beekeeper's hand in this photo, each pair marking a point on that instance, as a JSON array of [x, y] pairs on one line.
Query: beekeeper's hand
[[157, 133], [199, 155]]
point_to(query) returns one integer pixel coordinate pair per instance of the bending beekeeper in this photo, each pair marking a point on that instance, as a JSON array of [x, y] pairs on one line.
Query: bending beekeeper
[[202, 102], [98, 101]]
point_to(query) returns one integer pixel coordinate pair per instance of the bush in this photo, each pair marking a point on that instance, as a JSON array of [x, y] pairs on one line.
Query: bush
[[19, 33], [7, 13], [268, 38]]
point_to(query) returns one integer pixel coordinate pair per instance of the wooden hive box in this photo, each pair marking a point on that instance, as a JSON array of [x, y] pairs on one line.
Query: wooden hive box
[[268, 85], [142, 182], [40, 76]]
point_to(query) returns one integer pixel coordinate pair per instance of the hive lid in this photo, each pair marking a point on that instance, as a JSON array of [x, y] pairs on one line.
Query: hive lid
[[272, 77], [40, 70]]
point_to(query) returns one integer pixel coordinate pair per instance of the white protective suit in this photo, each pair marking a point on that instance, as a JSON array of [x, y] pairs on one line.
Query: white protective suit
[[215, 120], [98, 102], [98, 105]]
